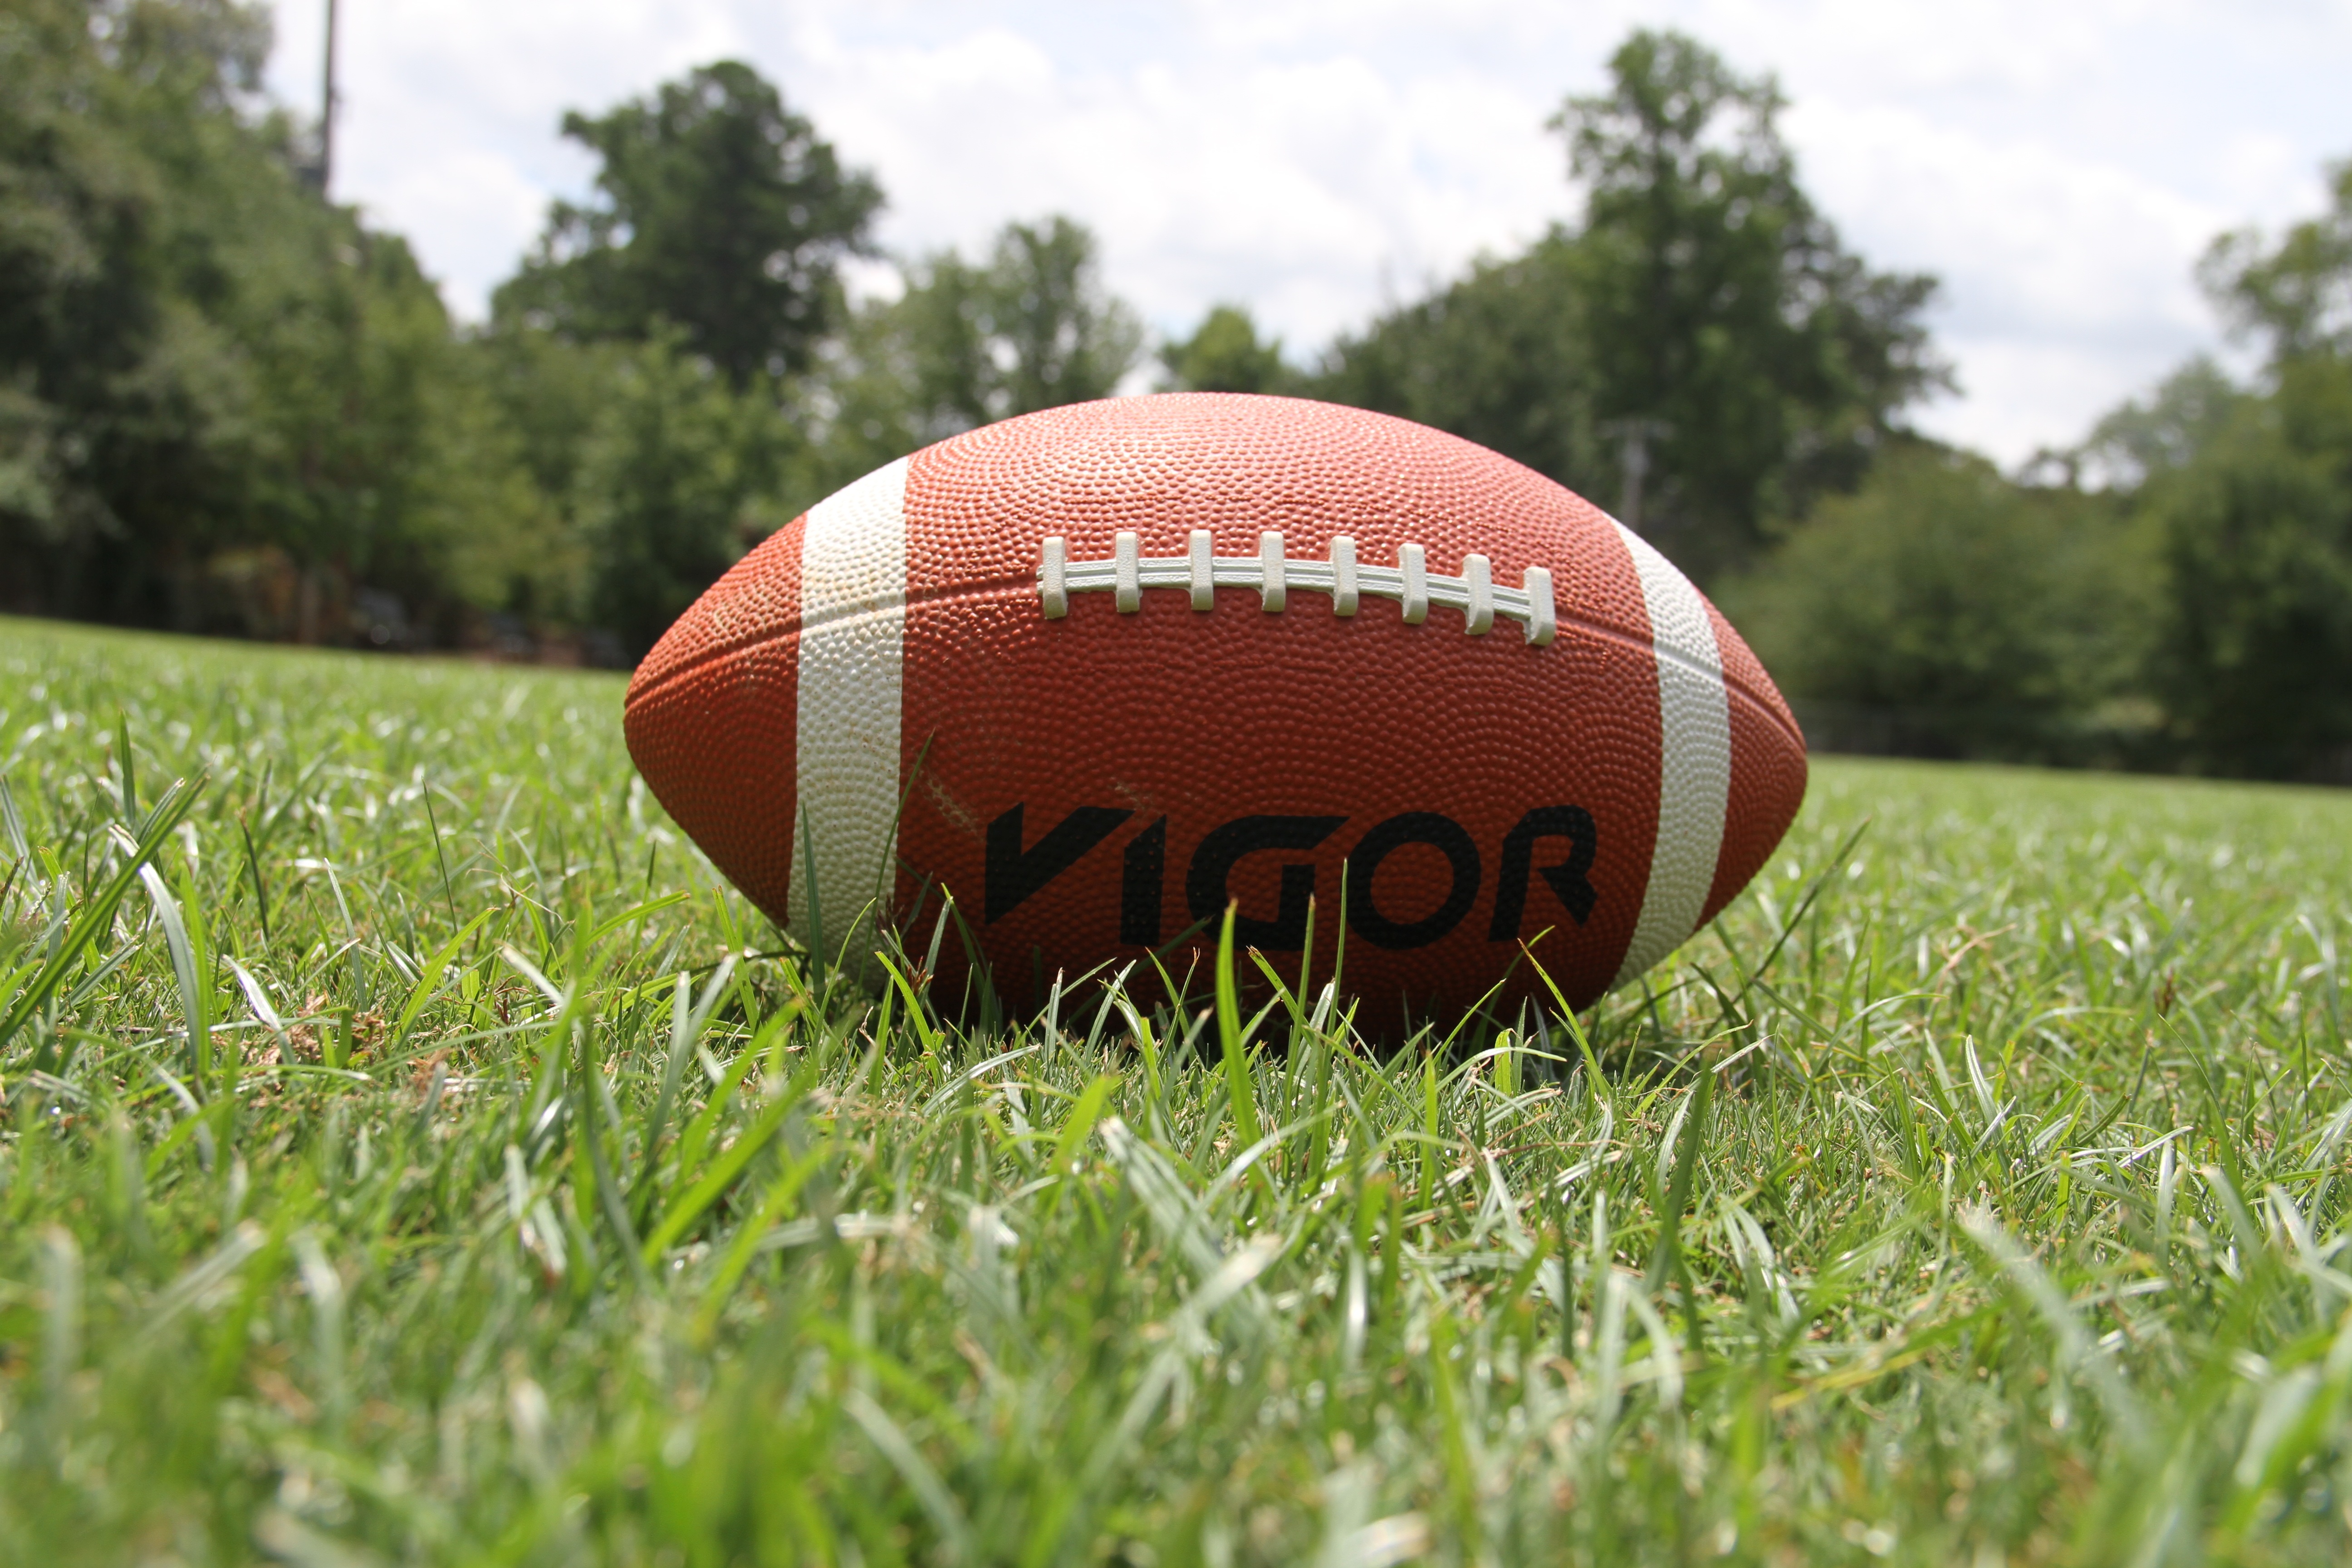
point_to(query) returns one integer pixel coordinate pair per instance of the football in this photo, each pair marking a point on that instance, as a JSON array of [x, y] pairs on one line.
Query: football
[[1092, 675]]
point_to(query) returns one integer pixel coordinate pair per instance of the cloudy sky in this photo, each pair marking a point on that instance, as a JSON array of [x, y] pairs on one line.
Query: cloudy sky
[[2059, 164]]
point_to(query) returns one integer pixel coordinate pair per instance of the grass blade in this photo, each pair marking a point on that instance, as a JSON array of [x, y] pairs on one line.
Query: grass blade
[[97, 913], [1241, 1084]]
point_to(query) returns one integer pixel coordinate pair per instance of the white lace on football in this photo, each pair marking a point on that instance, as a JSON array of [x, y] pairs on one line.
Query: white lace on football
[[1274, 575]]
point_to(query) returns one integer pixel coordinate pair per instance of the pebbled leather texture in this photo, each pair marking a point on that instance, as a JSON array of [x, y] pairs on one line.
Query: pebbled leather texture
[[1160, 757]]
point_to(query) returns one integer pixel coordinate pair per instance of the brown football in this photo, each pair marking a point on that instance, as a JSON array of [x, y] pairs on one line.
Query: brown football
[[1100, 670]]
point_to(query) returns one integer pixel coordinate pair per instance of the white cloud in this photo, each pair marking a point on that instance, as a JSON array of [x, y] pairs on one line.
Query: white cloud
[[2066, 280], [2060, 166]]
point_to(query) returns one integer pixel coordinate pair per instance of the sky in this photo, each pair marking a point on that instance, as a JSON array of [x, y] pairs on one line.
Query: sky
[[2059, 164]]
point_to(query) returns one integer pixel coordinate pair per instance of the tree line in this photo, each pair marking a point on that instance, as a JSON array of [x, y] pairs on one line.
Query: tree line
[[2174, 593], [229, 405]]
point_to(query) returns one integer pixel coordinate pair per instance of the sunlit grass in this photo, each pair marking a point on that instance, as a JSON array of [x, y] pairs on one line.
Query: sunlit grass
[[414, 1166]]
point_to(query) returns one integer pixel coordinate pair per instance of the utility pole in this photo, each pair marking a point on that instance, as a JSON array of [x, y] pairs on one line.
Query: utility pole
[[327, 110], [1634, 439]]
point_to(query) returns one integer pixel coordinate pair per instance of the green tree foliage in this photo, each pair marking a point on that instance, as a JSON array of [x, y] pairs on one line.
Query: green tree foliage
[[226, 404], [644, 366], [2255, 503], [2258, 665], [1944, 610], [1223, 354], [717, 210], [1033, 327], [2196, 612], [2255, 662], [2298, 294], [670, 481], [214, 389], [1719, 300], [1703, 291], [630, 475], [2180, 419], [1045, 310], [1495, 358], [512, 413]]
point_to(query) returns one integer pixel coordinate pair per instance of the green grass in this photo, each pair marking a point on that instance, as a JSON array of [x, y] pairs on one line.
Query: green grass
[[494, 1213]]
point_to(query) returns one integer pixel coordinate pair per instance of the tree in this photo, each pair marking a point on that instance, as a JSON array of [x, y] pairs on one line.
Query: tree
[[644, 354], [1702, 297], [2255, 656], [717, 210], [204, 364], [104, 361], [227, 405], [1031, 328], [1718, 300], [2298, 294], [1495, 358], [1223, 354], [1943, 610], [512, 417], [2186, 413], [1069, 339], [668, 487], [2255, 662]]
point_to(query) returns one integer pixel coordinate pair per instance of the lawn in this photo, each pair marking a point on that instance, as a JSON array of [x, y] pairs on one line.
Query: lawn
[[414, 1153]]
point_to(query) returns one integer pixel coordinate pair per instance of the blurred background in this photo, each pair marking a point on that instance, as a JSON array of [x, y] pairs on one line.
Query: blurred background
[[1991, 366]]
